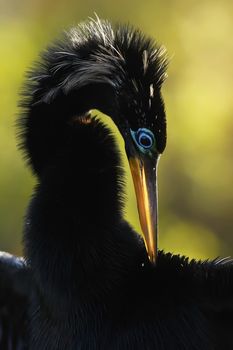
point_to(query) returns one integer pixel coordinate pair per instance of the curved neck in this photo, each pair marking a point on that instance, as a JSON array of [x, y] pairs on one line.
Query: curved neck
[[75, 235]]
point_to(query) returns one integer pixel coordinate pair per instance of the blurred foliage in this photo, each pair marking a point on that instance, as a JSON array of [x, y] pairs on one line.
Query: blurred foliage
[[196, 171]]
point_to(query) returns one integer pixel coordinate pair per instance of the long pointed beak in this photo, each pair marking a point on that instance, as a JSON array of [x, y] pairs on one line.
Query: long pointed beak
[[144, 175]]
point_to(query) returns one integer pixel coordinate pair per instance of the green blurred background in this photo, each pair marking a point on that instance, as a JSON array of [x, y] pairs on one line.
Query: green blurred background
[[196, 170]]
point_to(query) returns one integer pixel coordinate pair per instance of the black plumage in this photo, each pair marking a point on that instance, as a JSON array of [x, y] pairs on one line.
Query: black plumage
[[87, 282]]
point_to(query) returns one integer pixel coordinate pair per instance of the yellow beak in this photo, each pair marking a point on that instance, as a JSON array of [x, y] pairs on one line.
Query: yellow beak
[[145, 183]]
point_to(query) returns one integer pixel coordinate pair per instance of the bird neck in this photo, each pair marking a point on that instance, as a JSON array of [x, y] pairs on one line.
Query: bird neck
[[75, 235]]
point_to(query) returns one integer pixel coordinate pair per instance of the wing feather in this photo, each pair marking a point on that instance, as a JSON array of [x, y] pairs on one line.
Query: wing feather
[[15, 289]]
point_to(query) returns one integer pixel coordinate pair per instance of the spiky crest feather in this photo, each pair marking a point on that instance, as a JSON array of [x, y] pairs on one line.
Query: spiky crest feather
[[95, 52]]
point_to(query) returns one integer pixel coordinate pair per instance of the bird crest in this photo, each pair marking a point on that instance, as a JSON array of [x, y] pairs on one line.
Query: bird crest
[[95, 52]]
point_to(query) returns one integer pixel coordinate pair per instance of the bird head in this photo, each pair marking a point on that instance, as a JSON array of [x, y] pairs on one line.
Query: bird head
[[144, 132], [142, 123], [120, 72], [136, 70]]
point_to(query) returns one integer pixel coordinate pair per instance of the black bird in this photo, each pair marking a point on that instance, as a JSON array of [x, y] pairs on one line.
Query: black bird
[[88, 281]]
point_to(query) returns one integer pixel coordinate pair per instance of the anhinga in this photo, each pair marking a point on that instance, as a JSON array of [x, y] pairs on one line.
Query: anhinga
[[88, 281]]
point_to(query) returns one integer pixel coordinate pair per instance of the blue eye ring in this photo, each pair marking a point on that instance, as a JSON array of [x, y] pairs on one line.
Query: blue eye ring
[[144, 139]]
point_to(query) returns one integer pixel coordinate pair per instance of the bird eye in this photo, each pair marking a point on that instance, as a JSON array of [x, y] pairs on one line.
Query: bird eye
[[144, 138]]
